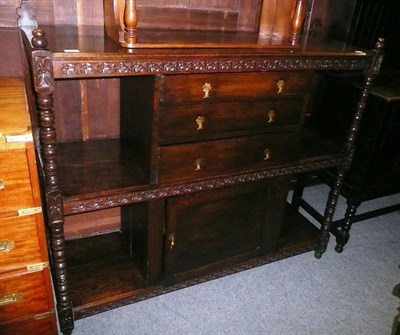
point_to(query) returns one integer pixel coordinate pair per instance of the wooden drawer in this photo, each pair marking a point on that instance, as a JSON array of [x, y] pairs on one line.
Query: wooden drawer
[[15, 192], [44, 324], [215, 158], [182, 89], [19, 242], [24, 296], [207, 121], [218, 228]]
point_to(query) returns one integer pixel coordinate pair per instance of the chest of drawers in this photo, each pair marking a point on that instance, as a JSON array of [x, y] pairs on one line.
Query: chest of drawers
[[26, 299], [211, 125]]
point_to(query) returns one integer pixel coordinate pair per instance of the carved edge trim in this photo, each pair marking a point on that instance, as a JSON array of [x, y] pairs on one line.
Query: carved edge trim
[[151, 293], [75, 207], [124, 67]]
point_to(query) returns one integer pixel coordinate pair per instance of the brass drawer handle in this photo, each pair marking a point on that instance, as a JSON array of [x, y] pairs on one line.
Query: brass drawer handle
[[2, 186], [197, 164], [6, 299], [206, 89], [280, 84], [200, 120], [271, 116], [267, 154], [6, 246]]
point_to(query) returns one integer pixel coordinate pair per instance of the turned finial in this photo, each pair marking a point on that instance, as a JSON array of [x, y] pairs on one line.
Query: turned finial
[[39, 40]]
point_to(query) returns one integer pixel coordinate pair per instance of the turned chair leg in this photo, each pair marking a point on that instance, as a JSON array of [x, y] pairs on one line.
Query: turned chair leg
[[344, 233]]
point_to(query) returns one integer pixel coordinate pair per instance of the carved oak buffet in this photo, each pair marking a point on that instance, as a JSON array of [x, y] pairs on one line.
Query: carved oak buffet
[[209, 141]]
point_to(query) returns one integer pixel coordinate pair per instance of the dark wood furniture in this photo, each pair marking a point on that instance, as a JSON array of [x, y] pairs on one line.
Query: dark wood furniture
[[26, 294], [171, 166], [375, 171]]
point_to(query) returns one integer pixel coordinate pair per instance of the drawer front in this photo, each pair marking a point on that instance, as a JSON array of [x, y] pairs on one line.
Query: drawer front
[[180, 89], [19, 243], [15, 188], [218, 158], [208, 121], [39, 325], [23, 296]]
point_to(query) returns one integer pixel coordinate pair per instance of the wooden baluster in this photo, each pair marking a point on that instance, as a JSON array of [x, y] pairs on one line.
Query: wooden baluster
[[131, 20], [297, 21], [44, 86]]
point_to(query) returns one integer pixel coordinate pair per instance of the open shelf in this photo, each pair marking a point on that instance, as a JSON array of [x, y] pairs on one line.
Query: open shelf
[[97, 168], [101, 276], [100, 271], [107, 168]]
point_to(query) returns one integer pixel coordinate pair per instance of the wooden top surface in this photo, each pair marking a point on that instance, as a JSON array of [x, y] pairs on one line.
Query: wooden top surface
[[84, 52], [14, 117], [72, 41]]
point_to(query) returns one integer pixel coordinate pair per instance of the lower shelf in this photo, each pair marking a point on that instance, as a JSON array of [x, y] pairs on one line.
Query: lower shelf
[[109, 279]]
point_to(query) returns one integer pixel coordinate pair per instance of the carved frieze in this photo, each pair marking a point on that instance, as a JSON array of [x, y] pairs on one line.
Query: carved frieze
[[126, 67], [162, 192]]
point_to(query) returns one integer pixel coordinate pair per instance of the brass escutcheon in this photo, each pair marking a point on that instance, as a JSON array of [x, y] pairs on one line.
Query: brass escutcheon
[[197, 164], [271, 116], [206, 89], [200, 122], [280, 84]]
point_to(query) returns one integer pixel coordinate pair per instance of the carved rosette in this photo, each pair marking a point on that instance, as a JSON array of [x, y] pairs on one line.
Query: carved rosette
[[83, 69]]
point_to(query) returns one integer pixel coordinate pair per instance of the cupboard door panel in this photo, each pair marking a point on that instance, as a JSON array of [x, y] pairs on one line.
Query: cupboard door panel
[[214, 229]]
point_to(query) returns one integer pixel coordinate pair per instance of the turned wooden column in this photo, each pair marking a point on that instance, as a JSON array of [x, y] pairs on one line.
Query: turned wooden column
[[43, 79], [130, 20], [297, 21], [348, 153]]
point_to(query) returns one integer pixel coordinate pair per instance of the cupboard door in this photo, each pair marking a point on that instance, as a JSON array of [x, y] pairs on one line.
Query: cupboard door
[[210, 230]]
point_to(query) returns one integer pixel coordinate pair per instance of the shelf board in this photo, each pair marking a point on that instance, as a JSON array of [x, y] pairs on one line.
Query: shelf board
[[104, 173], [97, 168], [111, 280]]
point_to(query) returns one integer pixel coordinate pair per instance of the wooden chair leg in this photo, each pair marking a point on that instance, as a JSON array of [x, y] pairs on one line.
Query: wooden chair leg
[[344, 233]]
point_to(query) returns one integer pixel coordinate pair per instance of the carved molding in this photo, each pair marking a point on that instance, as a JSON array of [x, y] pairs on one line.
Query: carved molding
[[75, 207], [123, 67], [147, 294]]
